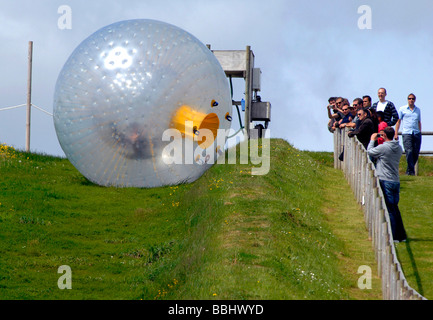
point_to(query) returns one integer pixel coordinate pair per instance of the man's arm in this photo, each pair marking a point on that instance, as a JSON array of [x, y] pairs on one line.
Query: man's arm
[[397, 127], [349, 125], [357, 131], [329, 112], [419, 123], [332, 116], [394, 117], [373, 151]]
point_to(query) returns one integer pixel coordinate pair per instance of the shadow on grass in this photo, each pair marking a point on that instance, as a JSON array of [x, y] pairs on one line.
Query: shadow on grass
[[413, 262]]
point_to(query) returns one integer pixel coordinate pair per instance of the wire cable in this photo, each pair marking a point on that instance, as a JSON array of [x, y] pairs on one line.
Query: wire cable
[[50, 114], [14, 107], [22, 105]]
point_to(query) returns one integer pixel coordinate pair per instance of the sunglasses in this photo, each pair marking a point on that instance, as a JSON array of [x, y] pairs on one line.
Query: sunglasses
[[410, 98]]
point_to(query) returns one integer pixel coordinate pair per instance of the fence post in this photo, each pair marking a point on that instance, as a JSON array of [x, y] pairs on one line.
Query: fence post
[[335, 136], [29, 95]]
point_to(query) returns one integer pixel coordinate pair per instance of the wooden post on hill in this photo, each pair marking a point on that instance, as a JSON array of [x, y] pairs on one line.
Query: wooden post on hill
[[248, 94], [29, 95]]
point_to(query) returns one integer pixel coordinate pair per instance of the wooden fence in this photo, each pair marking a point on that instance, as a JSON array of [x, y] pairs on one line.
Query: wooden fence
[[361, 175]]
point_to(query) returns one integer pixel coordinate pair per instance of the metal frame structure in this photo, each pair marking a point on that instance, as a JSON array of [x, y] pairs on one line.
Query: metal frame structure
[[240, 64]]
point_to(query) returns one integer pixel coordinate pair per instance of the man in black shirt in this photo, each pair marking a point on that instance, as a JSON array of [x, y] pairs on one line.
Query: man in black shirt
[[365, 129]]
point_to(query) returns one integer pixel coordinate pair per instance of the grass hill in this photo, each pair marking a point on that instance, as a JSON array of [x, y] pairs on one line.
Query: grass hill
[[416, 206], [295, 233]]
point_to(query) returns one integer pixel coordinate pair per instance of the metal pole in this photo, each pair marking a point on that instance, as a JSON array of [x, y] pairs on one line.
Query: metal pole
[[248, 96], [29, 95]]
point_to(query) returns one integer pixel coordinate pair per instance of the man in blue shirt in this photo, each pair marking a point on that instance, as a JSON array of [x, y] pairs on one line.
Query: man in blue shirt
[[410, 123]]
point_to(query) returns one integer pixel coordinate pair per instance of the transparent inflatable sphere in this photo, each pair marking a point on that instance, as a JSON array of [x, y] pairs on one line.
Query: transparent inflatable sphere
[[140, 103]]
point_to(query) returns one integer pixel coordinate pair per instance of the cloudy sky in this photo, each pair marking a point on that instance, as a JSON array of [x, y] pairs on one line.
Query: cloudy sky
[[307, 51]]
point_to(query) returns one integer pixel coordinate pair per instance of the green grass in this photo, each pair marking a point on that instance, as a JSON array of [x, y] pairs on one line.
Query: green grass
[[295, 233], [416, 206]]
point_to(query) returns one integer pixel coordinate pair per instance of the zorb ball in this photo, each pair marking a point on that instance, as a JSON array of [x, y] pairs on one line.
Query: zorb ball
[[142, 103]]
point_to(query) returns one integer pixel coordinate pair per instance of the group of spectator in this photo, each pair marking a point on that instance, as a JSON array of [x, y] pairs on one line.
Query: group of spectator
[[373, 125], [361, 116], [364, 118]]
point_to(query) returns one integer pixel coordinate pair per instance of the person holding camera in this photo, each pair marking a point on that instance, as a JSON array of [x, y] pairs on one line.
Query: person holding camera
[[387, 156], [335, 115], [346, 117]]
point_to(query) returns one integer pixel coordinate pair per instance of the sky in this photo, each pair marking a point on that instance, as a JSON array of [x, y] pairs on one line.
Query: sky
[[307, 51]]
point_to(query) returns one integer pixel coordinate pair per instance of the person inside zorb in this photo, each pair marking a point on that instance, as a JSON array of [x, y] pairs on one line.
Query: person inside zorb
[[121, 90]]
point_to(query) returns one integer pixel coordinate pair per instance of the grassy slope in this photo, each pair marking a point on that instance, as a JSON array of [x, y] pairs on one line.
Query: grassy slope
[[416, 206], [229, 235]]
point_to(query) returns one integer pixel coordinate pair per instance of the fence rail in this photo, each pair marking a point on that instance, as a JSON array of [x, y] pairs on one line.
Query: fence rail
[[361, 175]]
